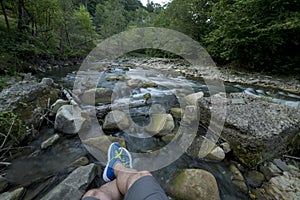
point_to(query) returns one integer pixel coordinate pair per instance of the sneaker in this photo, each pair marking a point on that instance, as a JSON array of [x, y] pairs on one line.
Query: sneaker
[[120, 155]]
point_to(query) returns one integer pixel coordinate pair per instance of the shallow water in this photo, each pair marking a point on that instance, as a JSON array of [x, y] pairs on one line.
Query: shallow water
[[55, 161]]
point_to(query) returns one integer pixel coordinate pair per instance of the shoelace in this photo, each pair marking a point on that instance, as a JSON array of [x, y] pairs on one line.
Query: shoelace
[[123, 161]]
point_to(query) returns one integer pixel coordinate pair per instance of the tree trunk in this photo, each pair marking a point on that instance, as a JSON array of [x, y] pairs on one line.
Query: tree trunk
[[22, 18], [5, 15]]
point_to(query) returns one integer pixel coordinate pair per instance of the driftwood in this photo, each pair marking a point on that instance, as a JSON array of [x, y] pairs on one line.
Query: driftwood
[[102, 110], [74, 100]]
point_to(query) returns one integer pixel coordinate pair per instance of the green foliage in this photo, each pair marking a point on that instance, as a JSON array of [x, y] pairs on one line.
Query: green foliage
[[263, 34], [11, 127], [47, 29]]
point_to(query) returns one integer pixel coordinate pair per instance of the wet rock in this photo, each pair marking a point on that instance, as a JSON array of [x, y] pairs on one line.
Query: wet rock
[[49, 142], [135, 83], [254, 178], [256, 130], [238, 179], [176, 112], [194, 184], [3, 184], [96, 95], [80, 162], [160, 125], [75, 185], [116, 120], [115, 78], [193, 98], [149, 84], [57, 105], [284, 187], [71, 119], [14, 195]]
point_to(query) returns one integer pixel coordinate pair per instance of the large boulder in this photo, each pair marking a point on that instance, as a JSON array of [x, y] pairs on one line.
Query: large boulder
[[24, 97], [255, 129], [194, 184], [71, 119], [160, 124], [96, 95], [75, 185], [115, 120]]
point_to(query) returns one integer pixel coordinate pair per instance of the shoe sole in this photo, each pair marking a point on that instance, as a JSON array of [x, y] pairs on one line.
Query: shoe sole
[[105, 178]]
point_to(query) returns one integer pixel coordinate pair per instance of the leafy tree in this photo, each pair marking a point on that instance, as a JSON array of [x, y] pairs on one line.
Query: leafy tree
[[262, 33], [110, 18]]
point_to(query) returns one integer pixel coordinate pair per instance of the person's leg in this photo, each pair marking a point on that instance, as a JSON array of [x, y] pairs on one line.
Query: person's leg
[[134, 185], [108, 191], [126, 177]]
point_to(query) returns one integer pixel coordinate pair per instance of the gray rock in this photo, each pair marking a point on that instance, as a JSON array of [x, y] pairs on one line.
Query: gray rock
[[116, 120], [254, 178], [3, 184], [49, 142], [284, 187], [135, 83], [75, 185], [210, 151], [14, 195], [281, 165], [71, 119], [194, 184], [80, 162], [270, 170], [192, 99], [97, 95], [202, 148], [47, 81], [24, 97], [160, 124], [216, 154], [257, 130], [99, 145]]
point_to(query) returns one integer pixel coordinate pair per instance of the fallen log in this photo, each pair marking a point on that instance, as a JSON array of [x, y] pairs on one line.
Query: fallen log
[[102, 110]]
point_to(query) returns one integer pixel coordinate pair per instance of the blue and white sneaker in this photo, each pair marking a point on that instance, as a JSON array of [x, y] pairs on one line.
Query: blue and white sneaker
[[115, 155]]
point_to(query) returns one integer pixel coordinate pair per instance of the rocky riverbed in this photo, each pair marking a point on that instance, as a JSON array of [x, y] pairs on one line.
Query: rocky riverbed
[[251, 159]]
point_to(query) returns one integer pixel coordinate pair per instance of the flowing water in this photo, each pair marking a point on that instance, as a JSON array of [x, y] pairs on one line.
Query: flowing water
[[35, 170]]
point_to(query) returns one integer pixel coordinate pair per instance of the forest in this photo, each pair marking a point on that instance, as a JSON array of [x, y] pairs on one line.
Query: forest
[[258, 35]]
